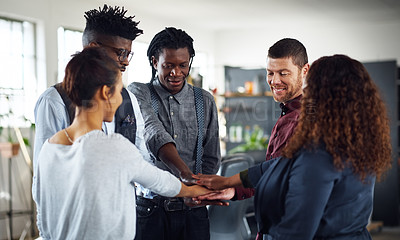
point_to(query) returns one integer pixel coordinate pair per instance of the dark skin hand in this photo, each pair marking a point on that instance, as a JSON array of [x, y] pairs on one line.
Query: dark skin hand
[[216, 182], [224, 184], [170, 156], [195, 202]]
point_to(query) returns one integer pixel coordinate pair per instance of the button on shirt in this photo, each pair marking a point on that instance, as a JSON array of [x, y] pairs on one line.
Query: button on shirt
[[176, 123], [284, 127]]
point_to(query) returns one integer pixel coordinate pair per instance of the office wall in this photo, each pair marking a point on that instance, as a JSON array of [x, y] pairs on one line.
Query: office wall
[[374, 40], [363, 41]]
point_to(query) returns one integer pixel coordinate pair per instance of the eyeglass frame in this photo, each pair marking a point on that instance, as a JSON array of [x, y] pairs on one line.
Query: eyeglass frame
[[121, 53]]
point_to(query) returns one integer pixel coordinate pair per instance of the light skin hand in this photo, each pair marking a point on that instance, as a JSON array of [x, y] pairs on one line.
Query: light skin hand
[[226, 194], [193, 191]]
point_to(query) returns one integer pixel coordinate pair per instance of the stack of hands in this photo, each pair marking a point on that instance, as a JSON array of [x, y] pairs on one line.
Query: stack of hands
[[222, 189]]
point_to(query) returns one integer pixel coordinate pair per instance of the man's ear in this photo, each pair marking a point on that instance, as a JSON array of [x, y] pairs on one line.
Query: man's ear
[[155, 62], [305, 69], [93, 44]]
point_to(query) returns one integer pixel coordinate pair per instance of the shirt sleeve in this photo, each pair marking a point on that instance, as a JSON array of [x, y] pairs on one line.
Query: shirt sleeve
[[211, 145], [250, 178], [50, 117], [155, 134], [311, 182], [148, 175], [140, 128]]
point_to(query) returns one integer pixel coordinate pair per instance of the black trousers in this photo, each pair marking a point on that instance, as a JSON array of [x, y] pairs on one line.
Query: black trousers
[[155, 222]]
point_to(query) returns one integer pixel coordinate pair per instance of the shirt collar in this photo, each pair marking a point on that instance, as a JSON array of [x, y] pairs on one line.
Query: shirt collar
[[164, 94], [290, 106]]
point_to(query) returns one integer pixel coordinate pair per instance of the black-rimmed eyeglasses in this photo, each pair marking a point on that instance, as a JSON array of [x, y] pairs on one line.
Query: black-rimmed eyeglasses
[[121, 53]]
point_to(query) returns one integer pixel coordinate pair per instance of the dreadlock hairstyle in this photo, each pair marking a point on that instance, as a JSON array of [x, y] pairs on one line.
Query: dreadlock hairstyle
[[292, 48], [111, 22], [342, 110], [171, 38]]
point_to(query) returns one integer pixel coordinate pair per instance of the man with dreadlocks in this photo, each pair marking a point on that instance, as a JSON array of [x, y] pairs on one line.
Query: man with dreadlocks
[[111, 29], [181, 133]]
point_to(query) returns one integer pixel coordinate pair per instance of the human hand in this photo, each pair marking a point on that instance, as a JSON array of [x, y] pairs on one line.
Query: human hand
[[187, 178], [194, 202], [226, 194], [214, 182], [198, 190]]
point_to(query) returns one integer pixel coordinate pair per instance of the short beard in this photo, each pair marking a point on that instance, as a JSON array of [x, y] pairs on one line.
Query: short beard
[[298, 87]]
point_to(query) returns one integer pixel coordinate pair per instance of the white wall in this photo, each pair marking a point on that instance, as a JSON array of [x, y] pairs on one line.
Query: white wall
[[366, 41]]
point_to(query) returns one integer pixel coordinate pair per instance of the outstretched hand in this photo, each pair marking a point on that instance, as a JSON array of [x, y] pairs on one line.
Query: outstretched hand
[[198, 190], [195, 202], [214, 182], [187, 178], [226, 194]]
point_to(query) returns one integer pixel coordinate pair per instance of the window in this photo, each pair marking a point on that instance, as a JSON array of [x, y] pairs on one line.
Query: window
[[69, 42], [199, 70], [139, 69], [18, 82]]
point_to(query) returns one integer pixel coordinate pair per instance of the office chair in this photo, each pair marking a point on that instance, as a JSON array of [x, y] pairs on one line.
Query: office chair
[[230, 223]]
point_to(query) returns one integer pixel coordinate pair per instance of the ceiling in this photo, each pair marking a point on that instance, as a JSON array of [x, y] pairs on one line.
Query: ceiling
[[220, 15]]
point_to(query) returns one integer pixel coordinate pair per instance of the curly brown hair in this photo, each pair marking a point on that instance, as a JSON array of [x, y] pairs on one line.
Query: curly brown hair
[[343, 111]]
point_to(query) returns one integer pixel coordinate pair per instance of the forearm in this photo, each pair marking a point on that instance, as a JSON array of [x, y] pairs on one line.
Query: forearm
[[170, 157], [217, 182], [184, 192], [192, 191], [233, 181]]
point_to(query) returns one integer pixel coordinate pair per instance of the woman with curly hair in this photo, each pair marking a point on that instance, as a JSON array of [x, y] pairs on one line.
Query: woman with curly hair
[[322, 187]]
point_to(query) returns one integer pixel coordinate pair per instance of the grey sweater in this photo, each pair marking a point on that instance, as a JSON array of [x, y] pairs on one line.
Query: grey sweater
[[85, 190]]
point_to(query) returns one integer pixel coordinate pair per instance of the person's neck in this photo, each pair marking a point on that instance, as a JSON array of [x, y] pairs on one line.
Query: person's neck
[[85, 121], [287, 102]]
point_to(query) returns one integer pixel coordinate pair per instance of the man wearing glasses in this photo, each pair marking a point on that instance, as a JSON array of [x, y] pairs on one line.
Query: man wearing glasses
[[111, 29], [123, 54]]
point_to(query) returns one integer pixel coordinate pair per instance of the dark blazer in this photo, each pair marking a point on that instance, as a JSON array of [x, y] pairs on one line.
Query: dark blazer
[[308, 198]]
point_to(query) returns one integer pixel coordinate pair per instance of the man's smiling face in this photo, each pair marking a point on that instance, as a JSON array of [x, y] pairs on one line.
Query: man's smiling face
[[285, 79]]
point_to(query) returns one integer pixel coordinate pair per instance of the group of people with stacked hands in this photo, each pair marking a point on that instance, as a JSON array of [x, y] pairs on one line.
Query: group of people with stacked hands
[[140, 162]]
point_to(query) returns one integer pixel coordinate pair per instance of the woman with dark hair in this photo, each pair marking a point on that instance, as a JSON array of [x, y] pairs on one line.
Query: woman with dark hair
[[84, 185], [322, 188]]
